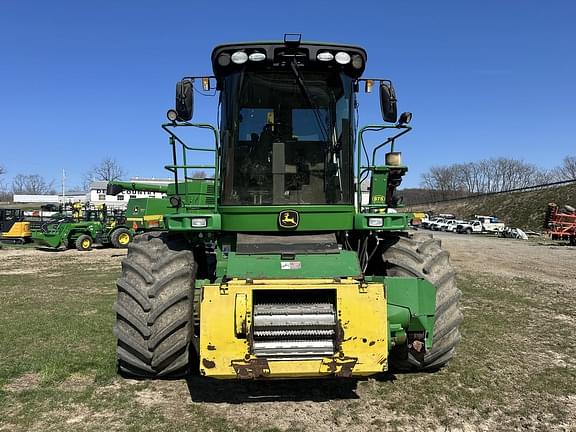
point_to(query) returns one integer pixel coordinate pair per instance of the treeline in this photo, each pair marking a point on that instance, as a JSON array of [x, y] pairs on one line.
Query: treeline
[[34, 184], [490, 175]]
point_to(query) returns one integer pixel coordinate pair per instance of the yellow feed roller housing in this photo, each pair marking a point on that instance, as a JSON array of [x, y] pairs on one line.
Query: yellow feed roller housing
[[293, 328]]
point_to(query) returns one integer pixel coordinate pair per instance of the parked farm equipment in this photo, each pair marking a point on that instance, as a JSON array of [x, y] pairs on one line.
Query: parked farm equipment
[[13, 228], [561, 223], [271, 267], [143, 214], [84, 227]]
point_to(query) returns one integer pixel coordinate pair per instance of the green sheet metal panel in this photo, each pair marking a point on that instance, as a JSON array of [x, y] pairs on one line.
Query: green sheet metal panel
[[391, 221], [266, 218], [343, 264], [418, 296]]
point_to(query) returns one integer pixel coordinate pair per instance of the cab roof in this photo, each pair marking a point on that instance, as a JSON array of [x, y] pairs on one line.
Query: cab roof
[[279, 53]]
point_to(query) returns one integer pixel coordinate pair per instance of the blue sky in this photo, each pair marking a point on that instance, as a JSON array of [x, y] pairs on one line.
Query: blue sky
[[80, 81]]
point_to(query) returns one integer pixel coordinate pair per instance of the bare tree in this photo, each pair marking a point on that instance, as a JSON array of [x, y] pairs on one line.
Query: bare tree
[[199, 175], [107, 170], [32, 184], [484, 176], [566, 171], [87, 179], [444, 181], [4, 194], [2, 172]]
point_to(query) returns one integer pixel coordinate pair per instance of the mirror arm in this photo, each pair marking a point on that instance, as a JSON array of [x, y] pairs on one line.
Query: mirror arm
[[391, 140]]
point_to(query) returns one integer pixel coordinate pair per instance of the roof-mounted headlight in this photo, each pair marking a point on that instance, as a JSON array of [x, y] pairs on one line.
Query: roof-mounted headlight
[[239, 57], [357, 61], [342, 58], [224, 59], [325, 56], [257, 56]]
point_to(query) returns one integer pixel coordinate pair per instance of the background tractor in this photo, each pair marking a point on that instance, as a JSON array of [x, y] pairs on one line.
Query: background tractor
[[13, 227], [274, 266], [81, 227]]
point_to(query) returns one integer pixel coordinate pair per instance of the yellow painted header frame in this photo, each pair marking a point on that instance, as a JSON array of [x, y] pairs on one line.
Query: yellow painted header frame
[[226, 321]]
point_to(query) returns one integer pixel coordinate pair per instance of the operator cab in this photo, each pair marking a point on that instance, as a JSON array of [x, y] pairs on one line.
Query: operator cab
[[286, 116]]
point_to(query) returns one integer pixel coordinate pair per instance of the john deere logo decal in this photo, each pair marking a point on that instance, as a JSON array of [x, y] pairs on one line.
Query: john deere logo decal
[[288, 219]]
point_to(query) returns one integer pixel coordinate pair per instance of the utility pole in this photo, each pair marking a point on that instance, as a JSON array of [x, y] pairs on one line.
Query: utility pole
[[63, 185]]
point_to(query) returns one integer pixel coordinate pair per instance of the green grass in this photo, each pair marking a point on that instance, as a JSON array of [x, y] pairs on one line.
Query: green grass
[[57, 330], [503, 372], [514, 368], [58, 367]]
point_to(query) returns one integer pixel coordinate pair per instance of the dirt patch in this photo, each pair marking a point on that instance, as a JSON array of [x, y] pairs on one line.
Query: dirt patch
[[88, 312], [77, 382], [20, 261], [29, 381], [75, 417], [149, 397]]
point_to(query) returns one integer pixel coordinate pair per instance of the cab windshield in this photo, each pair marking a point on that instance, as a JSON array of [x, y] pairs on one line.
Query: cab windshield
[[286, 138]]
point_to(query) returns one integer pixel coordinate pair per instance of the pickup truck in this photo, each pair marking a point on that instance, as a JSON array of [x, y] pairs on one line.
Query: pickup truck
[[426, 223], [448, 225], [487, 224], [444, 224]]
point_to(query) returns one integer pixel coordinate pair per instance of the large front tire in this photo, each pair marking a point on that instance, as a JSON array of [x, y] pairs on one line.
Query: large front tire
[[154, 307], [422, 256]]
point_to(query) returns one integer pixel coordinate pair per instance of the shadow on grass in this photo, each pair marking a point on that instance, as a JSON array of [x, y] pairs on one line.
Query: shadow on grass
[[204, 389], [49, 249], [232, 391]]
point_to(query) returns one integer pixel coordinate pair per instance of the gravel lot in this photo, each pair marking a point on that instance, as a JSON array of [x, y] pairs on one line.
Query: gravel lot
[[541, 260]]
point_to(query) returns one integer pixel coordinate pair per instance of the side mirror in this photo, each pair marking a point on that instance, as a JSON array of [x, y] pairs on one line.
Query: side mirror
[[184, 99], [388, 102]]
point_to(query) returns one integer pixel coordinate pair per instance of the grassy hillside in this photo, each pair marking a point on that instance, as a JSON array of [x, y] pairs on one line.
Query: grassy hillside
[[519, 209]]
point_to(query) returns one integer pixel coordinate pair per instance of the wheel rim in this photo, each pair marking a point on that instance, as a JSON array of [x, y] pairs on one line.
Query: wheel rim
[[124, 238], [85, 244]]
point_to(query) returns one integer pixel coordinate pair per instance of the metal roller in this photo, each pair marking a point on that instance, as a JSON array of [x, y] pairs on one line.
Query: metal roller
[[293, 329]]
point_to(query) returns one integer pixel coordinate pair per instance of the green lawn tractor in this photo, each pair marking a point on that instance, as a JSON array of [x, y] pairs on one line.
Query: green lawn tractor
[[83, 229], [275, 265]]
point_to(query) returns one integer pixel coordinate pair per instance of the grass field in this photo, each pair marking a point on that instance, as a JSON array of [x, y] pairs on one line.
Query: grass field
[[515, 368]]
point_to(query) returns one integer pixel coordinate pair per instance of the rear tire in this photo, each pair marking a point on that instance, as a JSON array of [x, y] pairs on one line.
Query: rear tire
[[84, 243], [422, 256], [154, 307], [120, 238]]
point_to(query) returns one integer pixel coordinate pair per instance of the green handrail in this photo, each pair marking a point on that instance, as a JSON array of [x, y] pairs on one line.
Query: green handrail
[[174, 167], [360, 169]]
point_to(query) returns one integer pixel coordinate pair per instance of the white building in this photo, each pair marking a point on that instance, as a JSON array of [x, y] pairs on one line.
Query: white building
[[50, 199], [97, 194]]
